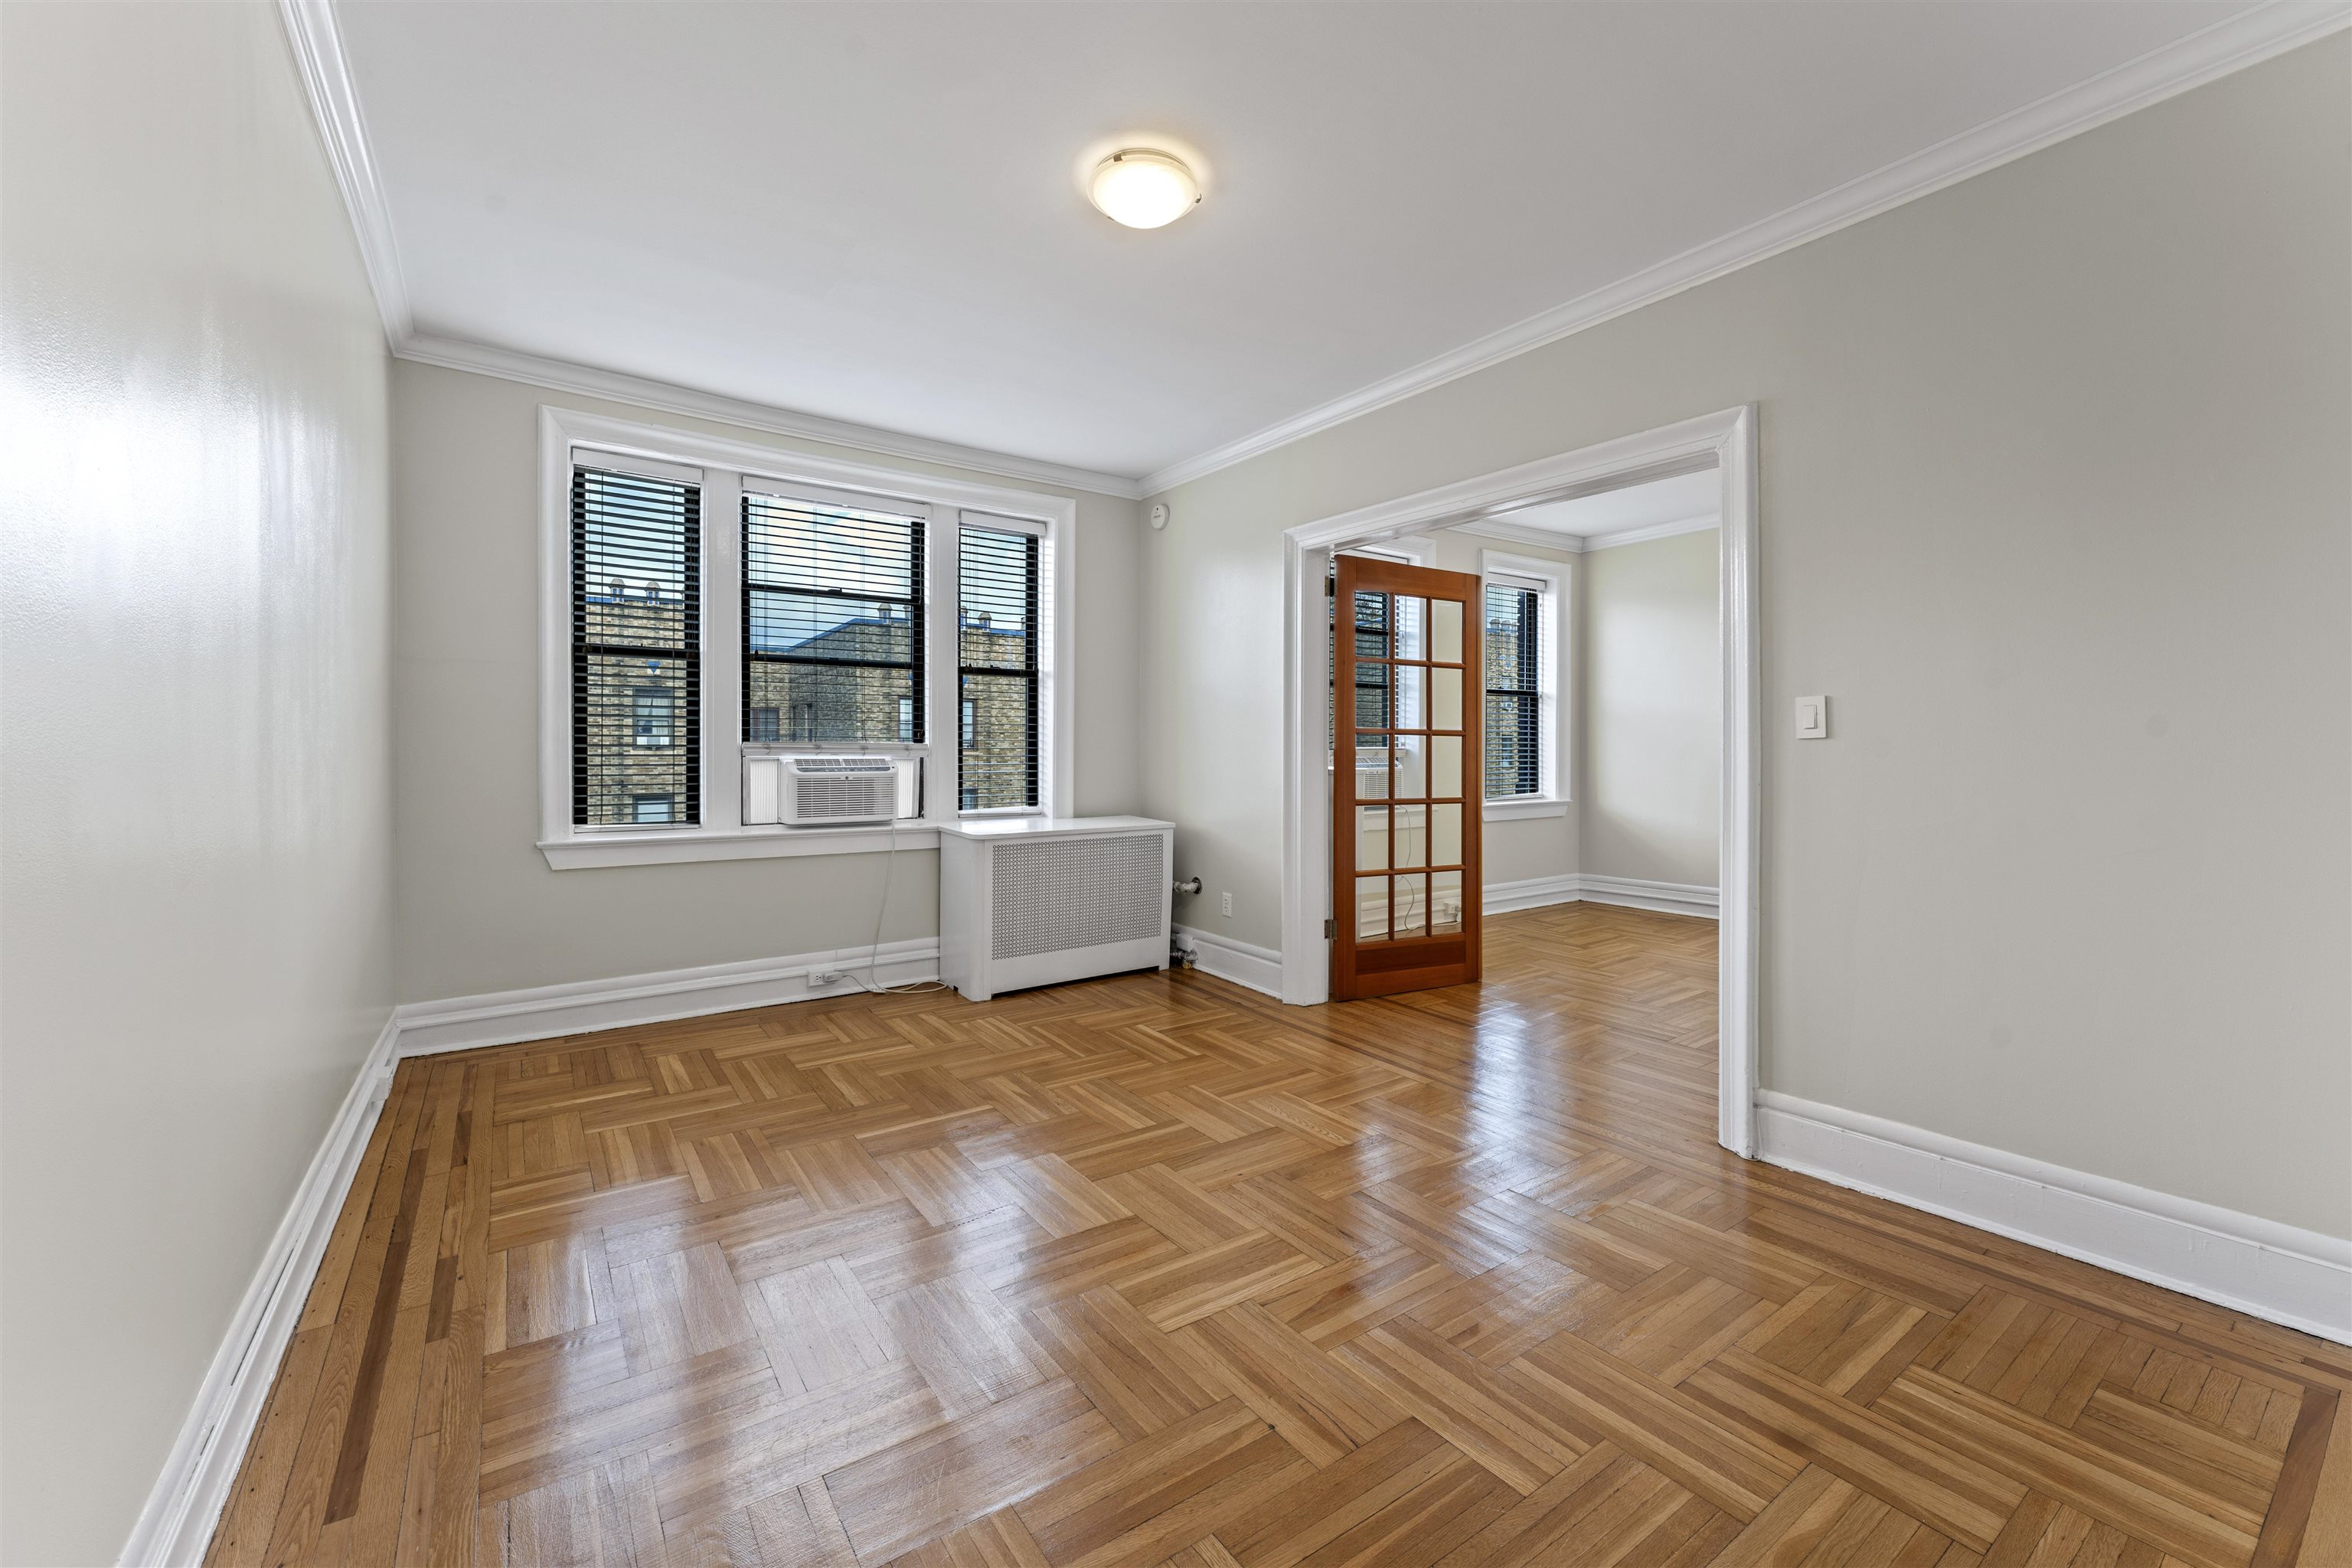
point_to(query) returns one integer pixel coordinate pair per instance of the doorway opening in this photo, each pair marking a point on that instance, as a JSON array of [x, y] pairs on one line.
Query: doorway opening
[[1723, 445]]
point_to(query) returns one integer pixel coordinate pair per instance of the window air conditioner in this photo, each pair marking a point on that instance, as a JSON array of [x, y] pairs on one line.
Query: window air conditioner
[[1032, 900], [820, 792]]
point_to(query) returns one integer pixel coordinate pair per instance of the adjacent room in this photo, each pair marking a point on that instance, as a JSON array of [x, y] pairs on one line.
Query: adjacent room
[[1175, 785]]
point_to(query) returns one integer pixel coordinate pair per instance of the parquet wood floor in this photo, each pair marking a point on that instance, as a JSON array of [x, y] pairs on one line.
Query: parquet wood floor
[[1153, 1270]]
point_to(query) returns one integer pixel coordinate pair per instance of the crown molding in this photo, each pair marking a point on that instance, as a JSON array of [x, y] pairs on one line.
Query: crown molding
[[1698, 524], [1521, 534], [2248, 39], [2252, 37], [318, 44], [561, 375]]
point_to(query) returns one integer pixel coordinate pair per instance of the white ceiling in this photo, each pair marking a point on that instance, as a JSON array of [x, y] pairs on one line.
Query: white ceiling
[[870, 212], [1661, 503]]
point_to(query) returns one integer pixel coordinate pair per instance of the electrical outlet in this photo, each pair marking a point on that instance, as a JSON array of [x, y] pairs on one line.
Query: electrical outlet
[[824, 976], [1225, 902]]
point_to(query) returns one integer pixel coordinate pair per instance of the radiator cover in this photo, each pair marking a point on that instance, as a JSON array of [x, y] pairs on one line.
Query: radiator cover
[[1031, 901]]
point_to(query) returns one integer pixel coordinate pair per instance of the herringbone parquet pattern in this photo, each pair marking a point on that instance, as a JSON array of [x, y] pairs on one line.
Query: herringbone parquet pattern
[[1153, 1270]]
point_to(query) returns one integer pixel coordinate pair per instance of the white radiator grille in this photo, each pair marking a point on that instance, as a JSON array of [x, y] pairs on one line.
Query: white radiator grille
[[1054, 894]]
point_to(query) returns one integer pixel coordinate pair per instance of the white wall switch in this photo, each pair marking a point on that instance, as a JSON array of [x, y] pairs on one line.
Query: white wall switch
[[1812, 717], [1226, 900]]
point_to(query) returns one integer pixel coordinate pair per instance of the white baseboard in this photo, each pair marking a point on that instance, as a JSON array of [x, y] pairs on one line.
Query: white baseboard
[[1502, 898], [2297, 1277], [1633, 893], [1259, 968], [543, 1012], [176, 1525], [1583, 886]]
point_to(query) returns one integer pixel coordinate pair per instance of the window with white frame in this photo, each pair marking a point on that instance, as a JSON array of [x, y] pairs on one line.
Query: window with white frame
[[1520, 650], [710, 601]]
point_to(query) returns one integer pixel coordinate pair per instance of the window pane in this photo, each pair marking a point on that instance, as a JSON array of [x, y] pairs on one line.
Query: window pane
[[1410, 914], [1412, 836], [1446, 767], [1371, 908], [1445, 835], [1412, 627], [1411, 774], [1444, 902], [637, 572], [833, 623], [830, 630], [1513, 751], [1412, 681], [1371, 838], [1371, 691], [1371, 625], [1445, 630], [1371, 767], [1000, 742], [1444, 699], [828, 703], [997, 584]]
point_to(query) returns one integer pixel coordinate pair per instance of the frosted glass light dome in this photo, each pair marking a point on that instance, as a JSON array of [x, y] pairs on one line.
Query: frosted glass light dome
[[1143, 189]]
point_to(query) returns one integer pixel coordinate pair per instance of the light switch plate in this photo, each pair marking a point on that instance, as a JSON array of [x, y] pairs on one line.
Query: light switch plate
[[1812, 717]]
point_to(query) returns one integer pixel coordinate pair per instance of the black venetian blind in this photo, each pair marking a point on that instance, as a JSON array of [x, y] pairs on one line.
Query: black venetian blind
[[996, 670], [636, 614], [1513, 692], [833, 623]]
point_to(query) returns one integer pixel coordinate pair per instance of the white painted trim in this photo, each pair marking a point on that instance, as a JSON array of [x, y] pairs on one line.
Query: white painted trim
[[1533, 893], [1410, 550], [1635, 893], [2245, 39], [318, 43], [1518, 808], [545, 1012], [1700, 524], [1244, 964], [640, 392], [176, 1525], [588, 852], [317, 40], [2277, 1272], [1583, 886], [1524, 533], [1725, 440], [725, 463], [1578, 543]]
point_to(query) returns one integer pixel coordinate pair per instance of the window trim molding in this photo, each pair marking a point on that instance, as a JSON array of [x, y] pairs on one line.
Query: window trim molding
[[724, 463], [1555, 714]]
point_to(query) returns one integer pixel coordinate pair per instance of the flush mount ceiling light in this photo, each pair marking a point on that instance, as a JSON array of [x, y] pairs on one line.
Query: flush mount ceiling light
[[1143, 188]]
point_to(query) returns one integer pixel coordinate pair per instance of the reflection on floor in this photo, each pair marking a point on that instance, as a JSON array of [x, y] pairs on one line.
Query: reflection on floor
[[1152, 1270]]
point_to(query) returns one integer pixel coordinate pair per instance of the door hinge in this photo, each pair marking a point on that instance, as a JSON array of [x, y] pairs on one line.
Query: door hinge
[[1331, 928]]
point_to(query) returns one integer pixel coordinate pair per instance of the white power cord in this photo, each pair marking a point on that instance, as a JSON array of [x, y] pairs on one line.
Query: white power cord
[[874, 953]]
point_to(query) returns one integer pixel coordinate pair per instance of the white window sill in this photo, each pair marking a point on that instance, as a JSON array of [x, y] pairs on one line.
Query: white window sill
[[1517, 810], [589, 850]]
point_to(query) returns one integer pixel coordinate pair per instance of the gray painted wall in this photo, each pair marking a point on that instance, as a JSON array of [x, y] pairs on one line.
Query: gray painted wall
[[192, 598], [479, 910], [2054, 489], [1650, 708]]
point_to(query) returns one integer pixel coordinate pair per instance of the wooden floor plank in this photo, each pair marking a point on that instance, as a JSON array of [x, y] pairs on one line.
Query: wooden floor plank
[[1154, 1270]]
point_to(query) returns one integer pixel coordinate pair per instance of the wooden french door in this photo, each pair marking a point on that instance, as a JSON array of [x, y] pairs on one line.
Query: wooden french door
[[1406, 778]]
